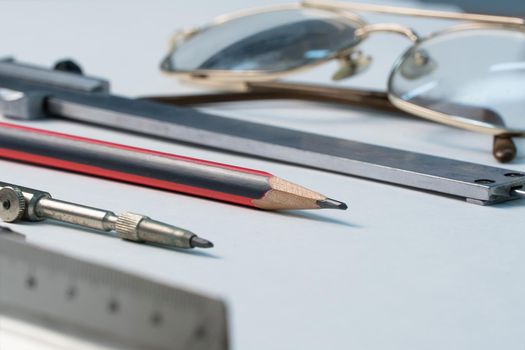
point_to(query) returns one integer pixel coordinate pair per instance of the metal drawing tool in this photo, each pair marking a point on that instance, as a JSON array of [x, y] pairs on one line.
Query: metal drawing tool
[[95, 304], [155, 169], [21, 203], [29, 92]]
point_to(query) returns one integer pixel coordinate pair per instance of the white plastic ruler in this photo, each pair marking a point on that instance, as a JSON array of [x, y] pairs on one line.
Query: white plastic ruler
[[102, 305]]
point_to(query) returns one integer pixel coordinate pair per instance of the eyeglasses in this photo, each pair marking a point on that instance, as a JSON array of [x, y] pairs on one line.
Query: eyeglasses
[[470, 76]]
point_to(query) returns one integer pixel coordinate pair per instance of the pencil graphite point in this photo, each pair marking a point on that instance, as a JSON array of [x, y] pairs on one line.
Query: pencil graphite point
[[200, 242], [285, 195], [330, 203]]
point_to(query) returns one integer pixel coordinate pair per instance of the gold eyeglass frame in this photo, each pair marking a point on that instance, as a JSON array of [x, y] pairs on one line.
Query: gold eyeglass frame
[[261, 84]]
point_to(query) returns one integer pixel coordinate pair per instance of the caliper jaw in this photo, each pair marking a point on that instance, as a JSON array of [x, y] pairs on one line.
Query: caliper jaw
[[34, 86]]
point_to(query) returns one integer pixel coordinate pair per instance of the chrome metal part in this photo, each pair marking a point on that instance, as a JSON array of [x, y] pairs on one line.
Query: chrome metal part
[[476, 183], [128, 226], [520, 192], [20, 104], [32, 197], [141, 228], [98, 219], [94, 304], [66, 80], [12, 204]]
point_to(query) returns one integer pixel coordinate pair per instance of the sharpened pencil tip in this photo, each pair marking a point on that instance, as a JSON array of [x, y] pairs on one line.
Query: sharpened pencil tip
[[197, 242], [330, 203]]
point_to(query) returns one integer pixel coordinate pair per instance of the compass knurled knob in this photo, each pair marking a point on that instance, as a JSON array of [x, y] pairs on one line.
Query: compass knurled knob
[[12, 204]]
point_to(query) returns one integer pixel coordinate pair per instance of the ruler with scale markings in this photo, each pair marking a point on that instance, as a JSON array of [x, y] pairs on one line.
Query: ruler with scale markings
[[103, 305]]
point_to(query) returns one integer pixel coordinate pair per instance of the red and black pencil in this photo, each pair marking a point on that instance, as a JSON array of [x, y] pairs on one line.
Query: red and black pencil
[[156, 169]]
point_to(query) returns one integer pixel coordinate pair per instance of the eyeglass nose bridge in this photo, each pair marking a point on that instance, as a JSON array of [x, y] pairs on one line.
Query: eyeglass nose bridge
[[353, 62], [407, 32]]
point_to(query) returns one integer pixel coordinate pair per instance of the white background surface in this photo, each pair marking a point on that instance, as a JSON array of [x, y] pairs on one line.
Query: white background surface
[[401, 269]]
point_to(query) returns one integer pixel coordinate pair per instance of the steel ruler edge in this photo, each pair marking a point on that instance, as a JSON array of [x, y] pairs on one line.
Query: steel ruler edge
[[30, 92], [104, 305]]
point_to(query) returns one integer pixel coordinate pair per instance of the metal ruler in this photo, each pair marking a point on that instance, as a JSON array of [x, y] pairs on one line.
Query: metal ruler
[[103, 305], [28, 92]]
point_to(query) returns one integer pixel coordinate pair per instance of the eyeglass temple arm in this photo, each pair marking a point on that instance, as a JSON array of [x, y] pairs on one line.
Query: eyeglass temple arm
[[405, 11], [287, 91], [504, 149]]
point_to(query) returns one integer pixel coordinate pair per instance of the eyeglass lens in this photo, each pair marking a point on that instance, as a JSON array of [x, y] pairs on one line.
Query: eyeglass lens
[[476, 73], [272, 41]]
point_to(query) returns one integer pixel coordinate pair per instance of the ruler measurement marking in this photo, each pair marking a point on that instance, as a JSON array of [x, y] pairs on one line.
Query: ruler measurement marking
[[110, 305]]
